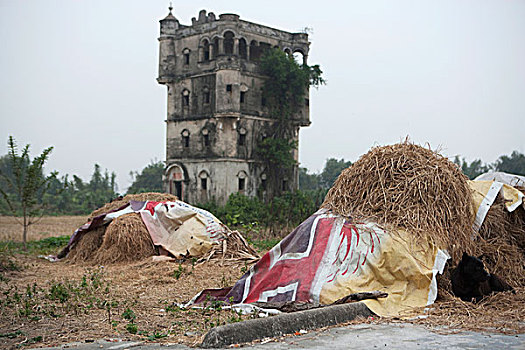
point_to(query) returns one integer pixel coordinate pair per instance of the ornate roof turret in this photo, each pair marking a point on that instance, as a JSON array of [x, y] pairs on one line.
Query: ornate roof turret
[[170, 16], [169, 24]]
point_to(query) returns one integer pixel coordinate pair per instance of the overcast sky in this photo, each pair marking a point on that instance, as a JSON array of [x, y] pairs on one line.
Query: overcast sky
[[80, 76]]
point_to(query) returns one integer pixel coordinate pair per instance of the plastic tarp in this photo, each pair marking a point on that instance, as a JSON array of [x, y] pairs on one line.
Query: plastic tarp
[[484, 194], [182, 229], [177, 227], [328, 257], [506, 178]]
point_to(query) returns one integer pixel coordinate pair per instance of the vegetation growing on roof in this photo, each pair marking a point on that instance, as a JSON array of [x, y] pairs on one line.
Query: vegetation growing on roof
[[284, 93]]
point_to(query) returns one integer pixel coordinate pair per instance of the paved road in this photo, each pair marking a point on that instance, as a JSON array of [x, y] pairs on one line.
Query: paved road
[[397, 336], [362, 336]]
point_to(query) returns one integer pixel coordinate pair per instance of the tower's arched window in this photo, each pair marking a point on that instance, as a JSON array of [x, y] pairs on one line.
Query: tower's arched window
[[215, 47], [204, 179], [228, 43], [185, 138], [241, 180], [175, 176], [299, 57], [254, 51], [263, 47], [185, 98], [206, 137], [243, 50], [264, 183], [206, 95], [288, 52], [244, 89], [241, 141], [186, 54], [206, 50]]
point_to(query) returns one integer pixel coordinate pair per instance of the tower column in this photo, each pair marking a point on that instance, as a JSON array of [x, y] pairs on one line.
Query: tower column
[[220, 48], [236, 46], [201, 54]]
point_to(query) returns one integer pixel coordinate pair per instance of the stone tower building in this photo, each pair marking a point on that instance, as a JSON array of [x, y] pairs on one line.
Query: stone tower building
[[216, 114]]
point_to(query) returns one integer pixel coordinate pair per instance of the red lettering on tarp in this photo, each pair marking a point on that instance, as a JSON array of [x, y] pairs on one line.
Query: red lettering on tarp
[[150, 206], [287, 271]]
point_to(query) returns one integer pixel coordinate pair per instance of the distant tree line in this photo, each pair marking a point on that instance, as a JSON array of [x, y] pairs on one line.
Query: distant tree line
[[65, 195], [513, 164], [326, 178], [70, 195], [149, 179]]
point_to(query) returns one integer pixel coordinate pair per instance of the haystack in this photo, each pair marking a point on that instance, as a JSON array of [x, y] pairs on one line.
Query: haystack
[[140, 197], [84, 250], [409, 187], [124, 239], [502, 242]]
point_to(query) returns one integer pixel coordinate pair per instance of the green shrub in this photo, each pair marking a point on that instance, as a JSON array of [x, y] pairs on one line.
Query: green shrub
[[291, 208]]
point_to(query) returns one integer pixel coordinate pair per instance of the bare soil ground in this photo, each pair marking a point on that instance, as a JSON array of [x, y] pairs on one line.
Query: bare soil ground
[[44, 303], [55, 303]]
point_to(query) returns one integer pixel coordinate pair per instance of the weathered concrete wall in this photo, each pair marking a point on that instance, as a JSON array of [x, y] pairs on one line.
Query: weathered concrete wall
[[218, 137], [222, 179]]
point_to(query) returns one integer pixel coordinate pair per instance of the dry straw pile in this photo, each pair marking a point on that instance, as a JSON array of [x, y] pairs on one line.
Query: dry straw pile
[[413, 188], [501, 312], [233, 249], [502, 242], [125, 239], [409, 187]]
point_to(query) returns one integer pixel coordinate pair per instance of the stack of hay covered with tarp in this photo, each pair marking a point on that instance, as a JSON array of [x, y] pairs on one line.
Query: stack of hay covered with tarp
[[500, 224], [138, 226], [406, 187], [390, 223]]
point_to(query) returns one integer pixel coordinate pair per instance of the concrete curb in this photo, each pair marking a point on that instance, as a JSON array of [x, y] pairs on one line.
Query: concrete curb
[[243, 332]]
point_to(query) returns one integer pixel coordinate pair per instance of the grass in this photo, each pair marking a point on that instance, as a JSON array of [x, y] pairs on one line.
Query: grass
[[264, 244], [41, 247], [11, 335], [57, 299], [7, 263]]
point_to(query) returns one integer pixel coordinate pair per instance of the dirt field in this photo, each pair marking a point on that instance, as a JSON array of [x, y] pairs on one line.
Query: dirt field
[[45, 303], [48, 304], [55, 303], [47, 226]]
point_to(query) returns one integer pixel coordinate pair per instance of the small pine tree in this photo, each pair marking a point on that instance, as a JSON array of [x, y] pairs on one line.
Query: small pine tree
[[25, 184]]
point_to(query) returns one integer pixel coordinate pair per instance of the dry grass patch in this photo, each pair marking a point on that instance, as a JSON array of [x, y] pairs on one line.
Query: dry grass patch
[[48, 226], [75, 302], [502, 312]]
